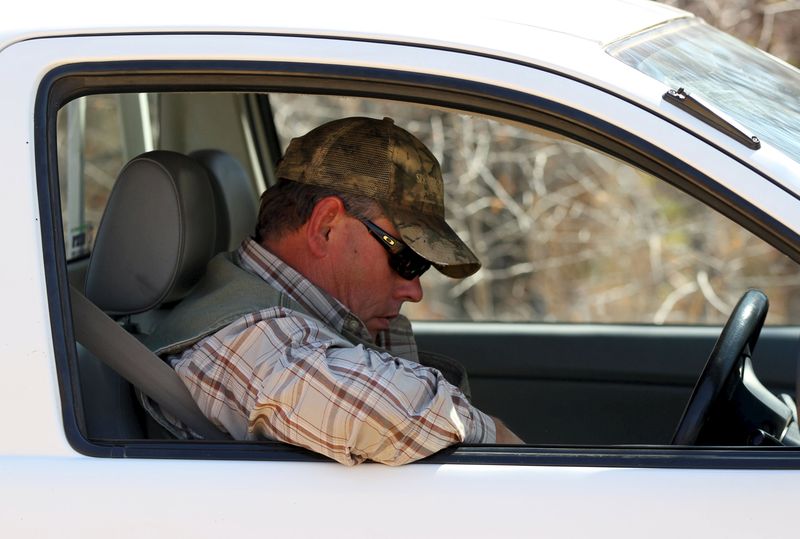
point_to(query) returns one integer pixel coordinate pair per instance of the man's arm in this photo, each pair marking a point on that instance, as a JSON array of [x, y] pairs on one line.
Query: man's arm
[[504, 434], [351, 403]]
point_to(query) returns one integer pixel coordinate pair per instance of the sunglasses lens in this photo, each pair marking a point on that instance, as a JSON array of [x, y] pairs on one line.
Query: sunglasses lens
[[402, 259], [408, 264]]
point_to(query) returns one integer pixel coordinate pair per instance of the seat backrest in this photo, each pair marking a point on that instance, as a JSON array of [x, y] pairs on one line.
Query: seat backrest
[[236, 197], [153, 243]]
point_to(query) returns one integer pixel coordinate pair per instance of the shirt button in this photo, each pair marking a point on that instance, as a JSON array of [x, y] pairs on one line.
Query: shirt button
[[352, 325]]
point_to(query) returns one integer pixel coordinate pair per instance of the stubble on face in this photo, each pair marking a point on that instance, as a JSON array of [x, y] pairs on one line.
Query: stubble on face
[[366, 283]]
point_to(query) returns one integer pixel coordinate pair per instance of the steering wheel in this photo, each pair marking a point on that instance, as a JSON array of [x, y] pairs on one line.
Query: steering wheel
[[718, 379]]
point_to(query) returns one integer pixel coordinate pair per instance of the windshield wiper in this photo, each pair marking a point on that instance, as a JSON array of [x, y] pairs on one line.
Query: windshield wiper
[[716, 119]]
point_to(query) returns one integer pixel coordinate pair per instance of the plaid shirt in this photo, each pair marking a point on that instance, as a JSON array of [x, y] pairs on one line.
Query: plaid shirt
[[287, 376]]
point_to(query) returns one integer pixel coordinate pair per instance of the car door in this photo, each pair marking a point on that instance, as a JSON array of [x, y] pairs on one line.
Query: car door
[[209, 488]]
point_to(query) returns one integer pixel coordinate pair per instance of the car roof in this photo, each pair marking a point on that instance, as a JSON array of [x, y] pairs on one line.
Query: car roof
[[461, 24], [569, 37], [545, 34]]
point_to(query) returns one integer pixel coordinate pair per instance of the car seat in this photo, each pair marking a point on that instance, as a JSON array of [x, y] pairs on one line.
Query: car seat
[[235, 195], [157, 234]]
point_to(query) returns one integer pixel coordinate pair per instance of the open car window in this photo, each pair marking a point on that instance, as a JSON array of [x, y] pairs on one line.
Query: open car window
[[568, 236]]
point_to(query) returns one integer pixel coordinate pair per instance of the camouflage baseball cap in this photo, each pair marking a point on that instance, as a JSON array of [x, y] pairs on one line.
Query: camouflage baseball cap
[[377, 159]]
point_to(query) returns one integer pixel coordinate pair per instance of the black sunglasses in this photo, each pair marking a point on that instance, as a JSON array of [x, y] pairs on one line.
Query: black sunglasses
[[402, 259]]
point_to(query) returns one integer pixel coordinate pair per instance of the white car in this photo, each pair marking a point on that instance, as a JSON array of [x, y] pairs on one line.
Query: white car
[[625, 172]]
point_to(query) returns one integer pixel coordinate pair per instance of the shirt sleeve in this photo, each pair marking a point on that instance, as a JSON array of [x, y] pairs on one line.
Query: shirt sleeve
[[354, 404]]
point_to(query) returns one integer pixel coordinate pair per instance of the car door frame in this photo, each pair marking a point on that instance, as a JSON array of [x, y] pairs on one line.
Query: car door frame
[[277, 62]]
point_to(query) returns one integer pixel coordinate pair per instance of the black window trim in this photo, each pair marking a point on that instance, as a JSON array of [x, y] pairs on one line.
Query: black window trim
[[68, 82]]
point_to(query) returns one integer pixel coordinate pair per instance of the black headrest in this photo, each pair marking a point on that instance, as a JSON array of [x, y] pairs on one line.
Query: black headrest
[[237, 200], [157, 234]]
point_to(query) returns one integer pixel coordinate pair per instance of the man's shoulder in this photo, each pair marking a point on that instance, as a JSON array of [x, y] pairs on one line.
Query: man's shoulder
[[226, 293]]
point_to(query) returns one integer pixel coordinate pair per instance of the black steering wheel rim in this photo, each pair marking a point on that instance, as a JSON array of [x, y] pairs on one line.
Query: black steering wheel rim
[[738, 338]]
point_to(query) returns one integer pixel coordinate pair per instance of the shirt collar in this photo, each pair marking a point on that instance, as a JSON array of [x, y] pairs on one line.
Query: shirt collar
[[281, 276]]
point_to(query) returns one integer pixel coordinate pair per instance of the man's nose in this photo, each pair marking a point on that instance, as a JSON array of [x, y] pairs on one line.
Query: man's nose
[[409, 290]]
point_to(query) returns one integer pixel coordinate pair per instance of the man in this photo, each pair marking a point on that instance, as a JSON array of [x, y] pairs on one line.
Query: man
[[303, 342]]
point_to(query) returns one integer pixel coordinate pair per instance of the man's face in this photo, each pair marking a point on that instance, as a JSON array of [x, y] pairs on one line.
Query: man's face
[[366, 284]]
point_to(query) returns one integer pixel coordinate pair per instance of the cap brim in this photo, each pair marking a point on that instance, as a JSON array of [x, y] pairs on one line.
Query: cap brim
[[433, 239]]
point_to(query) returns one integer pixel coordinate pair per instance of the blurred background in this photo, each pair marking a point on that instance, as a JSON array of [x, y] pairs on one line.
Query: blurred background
[[770, 25]]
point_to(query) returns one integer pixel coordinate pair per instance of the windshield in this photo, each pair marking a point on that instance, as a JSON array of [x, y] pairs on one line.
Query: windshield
[[752, 87]]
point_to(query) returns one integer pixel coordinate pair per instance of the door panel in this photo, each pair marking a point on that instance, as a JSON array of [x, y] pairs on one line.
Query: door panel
[[584, 384]]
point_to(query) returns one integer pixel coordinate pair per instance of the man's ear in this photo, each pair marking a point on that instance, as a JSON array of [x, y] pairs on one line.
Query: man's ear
[[326, 217]]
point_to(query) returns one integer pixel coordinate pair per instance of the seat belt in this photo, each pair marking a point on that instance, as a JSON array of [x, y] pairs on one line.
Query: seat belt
[[132, 360]]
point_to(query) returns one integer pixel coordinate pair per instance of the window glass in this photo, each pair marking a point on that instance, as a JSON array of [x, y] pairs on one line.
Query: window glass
[[565, 233], [757, 90]]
